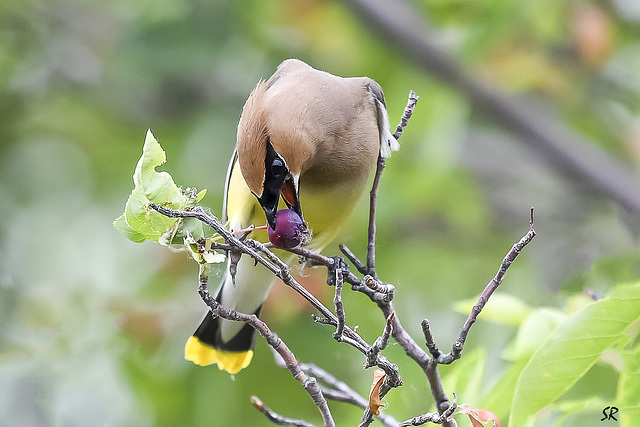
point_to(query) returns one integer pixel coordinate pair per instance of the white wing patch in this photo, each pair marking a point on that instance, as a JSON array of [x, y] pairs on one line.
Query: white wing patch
[[387, 142]]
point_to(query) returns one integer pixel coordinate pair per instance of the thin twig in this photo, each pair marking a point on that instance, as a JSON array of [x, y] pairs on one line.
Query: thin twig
[[308, 383], [261, 254], [337, 300], [276, 418], [491, 287], [359, 265], [406, 115], [428, 337], [373, 199], [433, 417], [382, 341], [412, 350], [335, 389], [373, 195], [214, 223]]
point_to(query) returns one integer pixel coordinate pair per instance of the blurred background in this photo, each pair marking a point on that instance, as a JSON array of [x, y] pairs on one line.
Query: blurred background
[[92, 326]]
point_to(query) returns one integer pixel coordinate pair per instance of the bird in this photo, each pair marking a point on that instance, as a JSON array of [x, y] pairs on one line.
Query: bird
[[307, 140]]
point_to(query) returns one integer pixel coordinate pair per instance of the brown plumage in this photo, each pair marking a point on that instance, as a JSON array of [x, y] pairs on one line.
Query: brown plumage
[[312, 139]]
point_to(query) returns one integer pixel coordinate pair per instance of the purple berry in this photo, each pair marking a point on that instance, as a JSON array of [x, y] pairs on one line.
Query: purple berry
[[290, 230]]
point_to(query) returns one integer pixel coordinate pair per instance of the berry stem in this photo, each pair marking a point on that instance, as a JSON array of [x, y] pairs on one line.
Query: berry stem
[[244, 230]]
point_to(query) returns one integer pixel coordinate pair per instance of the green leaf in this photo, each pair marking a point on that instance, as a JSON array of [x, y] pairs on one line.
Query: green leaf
[[535, 329], [157, 187], [500, 397], [121, 225], [502, 308], [139, 222], [572, 349], [144, 220], [628, 394], [465, 377], [199, 252]]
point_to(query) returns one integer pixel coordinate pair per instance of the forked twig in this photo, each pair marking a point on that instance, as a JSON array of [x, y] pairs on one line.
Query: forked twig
[[308, 383], [432, 417], [491, 287], [370, 285]]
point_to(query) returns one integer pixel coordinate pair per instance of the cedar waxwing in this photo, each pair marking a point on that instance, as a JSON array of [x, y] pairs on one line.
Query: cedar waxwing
[[312, 138]]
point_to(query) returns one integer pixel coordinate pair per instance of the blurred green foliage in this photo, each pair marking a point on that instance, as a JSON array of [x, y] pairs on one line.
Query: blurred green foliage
[[92, 326]]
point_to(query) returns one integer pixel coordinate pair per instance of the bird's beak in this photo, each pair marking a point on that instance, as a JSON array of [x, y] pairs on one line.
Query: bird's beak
[[271, 197], [290, 195], [270, 213]]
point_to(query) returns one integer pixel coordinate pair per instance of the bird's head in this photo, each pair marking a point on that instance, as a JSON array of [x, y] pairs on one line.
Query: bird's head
[[271, 155]]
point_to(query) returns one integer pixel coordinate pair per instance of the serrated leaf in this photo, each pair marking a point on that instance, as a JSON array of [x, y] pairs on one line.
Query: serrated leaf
[[572, 349]]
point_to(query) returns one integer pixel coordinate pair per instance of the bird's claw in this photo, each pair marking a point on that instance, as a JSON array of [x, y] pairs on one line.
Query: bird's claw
[[338, 264]]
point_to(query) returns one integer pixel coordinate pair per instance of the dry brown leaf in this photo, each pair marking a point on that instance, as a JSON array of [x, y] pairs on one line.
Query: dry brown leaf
[[479, 416], [374, 395]]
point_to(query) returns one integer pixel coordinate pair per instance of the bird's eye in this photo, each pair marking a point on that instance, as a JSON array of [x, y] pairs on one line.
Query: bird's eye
[[277, 168]]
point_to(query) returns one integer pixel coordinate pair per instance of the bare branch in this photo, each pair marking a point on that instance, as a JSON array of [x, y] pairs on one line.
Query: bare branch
[[431, 345], [261, 254], [411, 348], [340, 391], [491, 287], [373, 195], [275, 418], [382, 341], [373, 199], [337, 300], [380, 293], [433, 417], [360, 266], [406, 115], [290, 361]]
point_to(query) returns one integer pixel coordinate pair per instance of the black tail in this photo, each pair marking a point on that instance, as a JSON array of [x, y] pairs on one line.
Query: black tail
[[206, 346], [209, 334]]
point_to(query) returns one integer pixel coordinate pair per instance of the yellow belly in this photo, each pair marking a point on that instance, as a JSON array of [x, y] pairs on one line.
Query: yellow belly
[[324, 209]]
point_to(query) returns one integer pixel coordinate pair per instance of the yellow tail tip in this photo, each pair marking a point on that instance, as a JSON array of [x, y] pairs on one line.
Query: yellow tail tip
[[201, 354]]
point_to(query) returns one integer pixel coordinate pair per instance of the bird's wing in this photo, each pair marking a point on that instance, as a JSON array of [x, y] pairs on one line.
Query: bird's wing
[[240, 207], [387, 142]]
